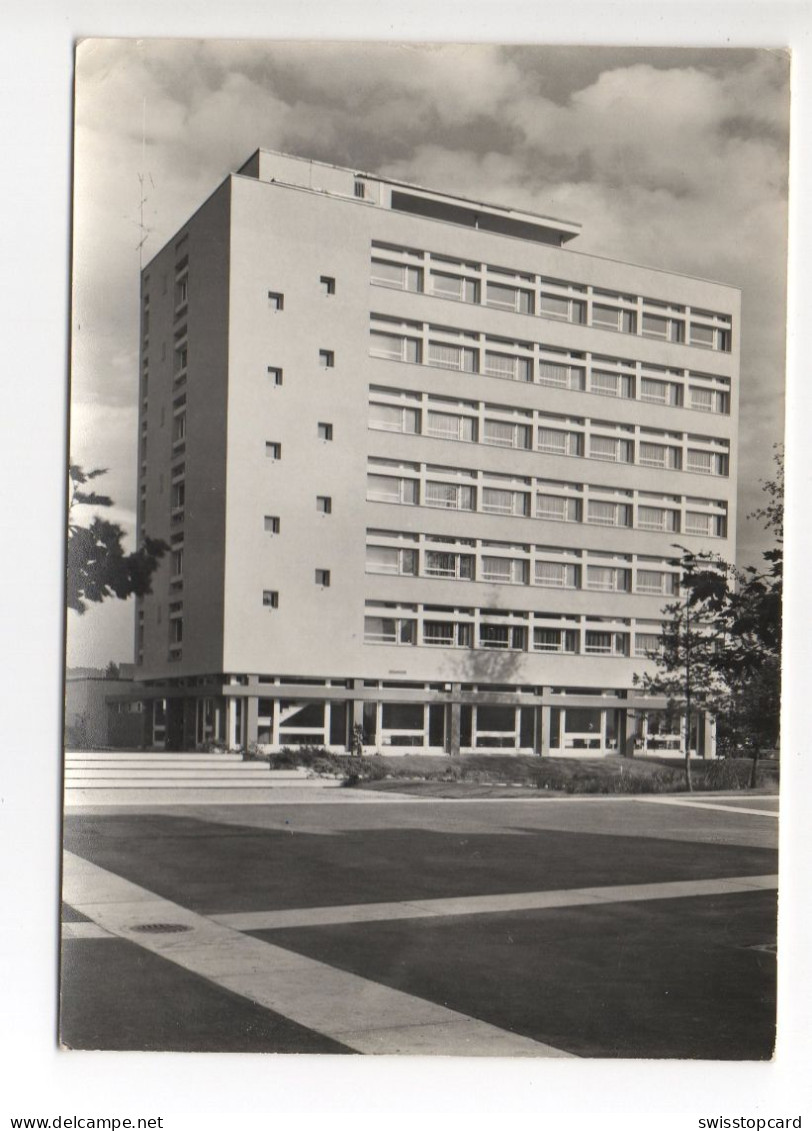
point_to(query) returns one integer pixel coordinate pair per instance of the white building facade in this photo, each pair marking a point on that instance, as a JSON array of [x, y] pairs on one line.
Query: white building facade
[[422, 468]]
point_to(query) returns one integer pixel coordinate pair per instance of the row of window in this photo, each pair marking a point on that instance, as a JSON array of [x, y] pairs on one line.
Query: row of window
[[551, 434], [500, 569], [475, 628], [396, 627], [565, 503], [518, 292], [468, 351]]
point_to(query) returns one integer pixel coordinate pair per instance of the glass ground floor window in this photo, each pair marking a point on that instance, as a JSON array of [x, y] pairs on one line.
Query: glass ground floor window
[[437, 718]]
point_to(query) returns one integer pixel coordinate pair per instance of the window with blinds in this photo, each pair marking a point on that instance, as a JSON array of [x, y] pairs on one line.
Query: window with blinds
[[508, 571], [606, 643], [655, 581], [607, 384], [710, 525], [506, 435], [657, 518], [389, 630], [437, 563], [508, 367], [555, 640], [393, 347], [555, 441], [565, 309], [701, 399], [558, 575], [393, 418], [647, 644], [391, 559], [562, 376], [699, 461], [450, 426], [608, 579], [497, 501], [669, 329], [439, 633], [391, 489], [450, 496], [613, 318], [707, 463], [703, 336], [448, 356], [558, 508], [509, 298], [659, 392], [510, 636], [601, 513], [399, 276], [658, 455], [709, 400], [454, 286], [611, 449]]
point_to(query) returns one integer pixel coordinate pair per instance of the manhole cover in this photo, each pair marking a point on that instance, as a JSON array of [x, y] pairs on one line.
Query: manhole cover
[[161, 928]]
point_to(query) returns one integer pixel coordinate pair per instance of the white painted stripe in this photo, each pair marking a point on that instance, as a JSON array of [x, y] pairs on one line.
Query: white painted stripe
[[490, 904], [707, 805], [84, 931], [331, 793], [360, 1014]]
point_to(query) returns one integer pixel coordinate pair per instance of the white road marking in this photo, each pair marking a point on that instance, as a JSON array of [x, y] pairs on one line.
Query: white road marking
[[360, 1014], [84, 931], [490, 904], [701, 804]]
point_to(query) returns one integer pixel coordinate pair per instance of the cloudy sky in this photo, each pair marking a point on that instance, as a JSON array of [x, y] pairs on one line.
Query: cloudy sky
[[668, 157]]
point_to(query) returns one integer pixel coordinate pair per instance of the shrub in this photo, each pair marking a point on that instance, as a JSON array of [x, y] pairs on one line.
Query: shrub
[[314, 758], [727, 773], [355, 770]]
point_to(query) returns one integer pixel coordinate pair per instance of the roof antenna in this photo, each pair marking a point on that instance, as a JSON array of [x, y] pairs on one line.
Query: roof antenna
[[143, 229]]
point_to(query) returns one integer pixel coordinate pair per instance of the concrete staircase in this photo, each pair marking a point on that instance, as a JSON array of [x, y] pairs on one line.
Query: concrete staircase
[[132, 777]]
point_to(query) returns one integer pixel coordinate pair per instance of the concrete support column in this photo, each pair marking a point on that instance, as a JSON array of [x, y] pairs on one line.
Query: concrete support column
[[250, 706], [277, 711], [355, 712], [455, 721], [628, 732], [544, 745], [232, 738]]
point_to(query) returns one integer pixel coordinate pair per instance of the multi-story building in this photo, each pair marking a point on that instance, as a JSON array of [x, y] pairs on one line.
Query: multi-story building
[[422, 468]]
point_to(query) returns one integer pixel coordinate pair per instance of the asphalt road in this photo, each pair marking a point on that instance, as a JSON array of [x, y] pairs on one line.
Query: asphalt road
[[688, 976]]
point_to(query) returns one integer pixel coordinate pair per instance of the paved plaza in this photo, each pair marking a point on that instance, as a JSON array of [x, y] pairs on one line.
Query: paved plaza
[[549, 927]]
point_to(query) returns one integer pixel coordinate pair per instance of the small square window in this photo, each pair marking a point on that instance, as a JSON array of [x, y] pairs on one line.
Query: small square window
[[324, 504], [270, 598], [273, 450], [271, 524], [276, 300], [328, 285], [360, 190], [275, 374], [323, 577], [325, 431], [327, 359]]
